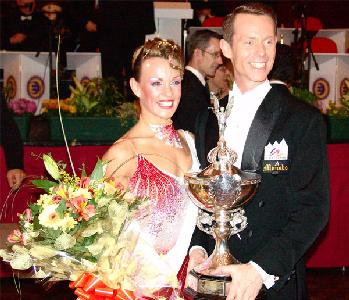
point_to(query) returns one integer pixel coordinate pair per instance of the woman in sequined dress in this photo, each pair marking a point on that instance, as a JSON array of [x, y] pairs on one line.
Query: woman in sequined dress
[[152, 157]]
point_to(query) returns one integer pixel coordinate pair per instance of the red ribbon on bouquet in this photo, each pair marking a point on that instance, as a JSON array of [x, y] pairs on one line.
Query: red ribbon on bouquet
[[90, 287]]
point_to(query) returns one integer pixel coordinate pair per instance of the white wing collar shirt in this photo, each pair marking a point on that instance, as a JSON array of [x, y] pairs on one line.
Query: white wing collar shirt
[[242, 114]]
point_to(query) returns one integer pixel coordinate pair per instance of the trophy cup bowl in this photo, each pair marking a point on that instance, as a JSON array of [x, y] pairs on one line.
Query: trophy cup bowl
[[223, 194]]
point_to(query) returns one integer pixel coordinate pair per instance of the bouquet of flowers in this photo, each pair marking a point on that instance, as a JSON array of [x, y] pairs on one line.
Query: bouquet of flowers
[[22, 106], [81, 229]]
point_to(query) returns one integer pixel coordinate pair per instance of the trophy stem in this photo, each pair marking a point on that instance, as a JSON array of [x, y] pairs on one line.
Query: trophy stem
[[221, 255]]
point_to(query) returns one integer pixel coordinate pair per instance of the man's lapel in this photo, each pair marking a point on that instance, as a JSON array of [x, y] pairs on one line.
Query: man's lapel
[[260, 130]]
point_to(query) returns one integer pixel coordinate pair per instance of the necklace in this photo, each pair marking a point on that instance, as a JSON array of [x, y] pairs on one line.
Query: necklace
[[166, 133]]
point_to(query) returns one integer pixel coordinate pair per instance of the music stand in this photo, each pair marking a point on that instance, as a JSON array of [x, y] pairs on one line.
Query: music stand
[[304, 40]]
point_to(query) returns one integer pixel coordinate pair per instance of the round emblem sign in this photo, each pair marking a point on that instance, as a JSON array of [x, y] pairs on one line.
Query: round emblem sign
[[321, 88], [35, 87], [11, 87], [344, 87]]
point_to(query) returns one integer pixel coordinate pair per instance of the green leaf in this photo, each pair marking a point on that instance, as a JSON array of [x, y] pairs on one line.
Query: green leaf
[[61, 208], [83, 171], [44, 184], [35, 209], [98, 171], [36, 224], [51, 166]]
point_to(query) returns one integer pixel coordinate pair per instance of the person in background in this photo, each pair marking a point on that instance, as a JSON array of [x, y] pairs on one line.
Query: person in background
[[285, 66], [122, 27], [25, 29], [221, 83], [86, 16], [12, 145], [152, 157], [291, 205], [206, 126], [204, 57]]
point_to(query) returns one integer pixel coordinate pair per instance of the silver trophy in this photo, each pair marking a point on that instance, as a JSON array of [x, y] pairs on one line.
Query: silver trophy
[[220, 191]]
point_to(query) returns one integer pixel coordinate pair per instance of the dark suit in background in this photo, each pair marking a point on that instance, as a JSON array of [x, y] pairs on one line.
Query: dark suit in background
[[122, 26], [10, 139], [290, 208], [35, 27], [206, 132], [195, 98]]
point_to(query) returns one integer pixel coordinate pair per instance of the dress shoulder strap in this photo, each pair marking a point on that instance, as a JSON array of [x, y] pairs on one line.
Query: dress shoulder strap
[[135, 155], [191, 144]]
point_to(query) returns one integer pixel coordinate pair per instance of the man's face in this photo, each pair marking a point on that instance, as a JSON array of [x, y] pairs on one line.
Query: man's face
[[26, 6], [252, 49], [210, 58]]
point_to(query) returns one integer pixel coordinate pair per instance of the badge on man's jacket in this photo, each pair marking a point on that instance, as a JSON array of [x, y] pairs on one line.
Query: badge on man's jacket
[[276, 158]]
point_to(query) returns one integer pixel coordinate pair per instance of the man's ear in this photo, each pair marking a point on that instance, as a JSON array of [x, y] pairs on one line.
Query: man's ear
[[197, 52], [135, 87], [226, 49]]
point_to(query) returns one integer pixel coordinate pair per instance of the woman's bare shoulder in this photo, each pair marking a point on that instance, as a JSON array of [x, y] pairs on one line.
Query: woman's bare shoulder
[[119, 148], [121, 151]]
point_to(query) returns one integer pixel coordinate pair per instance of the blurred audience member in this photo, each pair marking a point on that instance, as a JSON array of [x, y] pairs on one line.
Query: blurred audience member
[[206, 125], [204, 55], [122, 26], [11, 142], [222, 82], [24, 29], [206, 14], [285, 66], [59, 15], [86, 19]]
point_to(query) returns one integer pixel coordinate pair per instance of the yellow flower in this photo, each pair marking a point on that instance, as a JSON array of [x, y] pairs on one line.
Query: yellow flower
[[72, 109], [49, 217], [81, 192], [68, 223], [45, 200], [109, 188]]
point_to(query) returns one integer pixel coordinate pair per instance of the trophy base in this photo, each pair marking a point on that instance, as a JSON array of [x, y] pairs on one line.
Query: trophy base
[[206, 286]]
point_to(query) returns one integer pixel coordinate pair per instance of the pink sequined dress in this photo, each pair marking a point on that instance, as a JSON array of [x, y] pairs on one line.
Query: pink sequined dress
[[169, 226]]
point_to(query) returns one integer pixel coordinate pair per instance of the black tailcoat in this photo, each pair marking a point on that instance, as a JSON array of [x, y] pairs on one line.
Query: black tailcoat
[[195, 98], [10, 138], [290, 208]]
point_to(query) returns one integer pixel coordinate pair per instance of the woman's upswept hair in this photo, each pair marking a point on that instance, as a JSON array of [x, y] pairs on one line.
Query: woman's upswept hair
[[157, 47]]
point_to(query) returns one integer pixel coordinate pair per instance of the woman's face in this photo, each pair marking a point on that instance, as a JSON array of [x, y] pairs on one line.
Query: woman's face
[[158, 89]]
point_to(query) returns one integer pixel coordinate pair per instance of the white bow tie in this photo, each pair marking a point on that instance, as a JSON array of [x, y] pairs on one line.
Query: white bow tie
[[23, 18]]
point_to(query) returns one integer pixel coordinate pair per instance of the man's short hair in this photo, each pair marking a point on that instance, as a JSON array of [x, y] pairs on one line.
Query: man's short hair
[[257, 9], [199, 40], [285, 64]]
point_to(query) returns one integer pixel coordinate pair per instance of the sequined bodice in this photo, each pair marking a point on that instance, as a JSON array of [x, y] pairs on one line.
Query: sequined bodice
[[168, 201]]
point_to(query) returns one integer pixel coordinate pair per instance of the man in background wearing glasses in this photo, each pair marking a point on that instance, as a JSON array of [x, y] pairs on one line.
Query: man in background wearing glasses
[[204, 57]]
